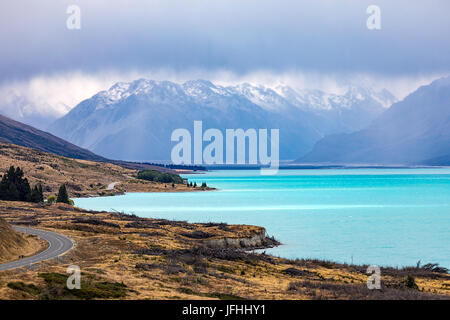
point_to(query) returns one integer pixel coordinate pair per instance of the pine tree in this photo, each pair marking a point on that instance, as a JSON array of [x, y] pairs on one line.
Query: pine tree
[[14, 187], [24, 189], [12, 193], [41, 194], [62, 195], [3, 188], [8, 188], [36, 194]]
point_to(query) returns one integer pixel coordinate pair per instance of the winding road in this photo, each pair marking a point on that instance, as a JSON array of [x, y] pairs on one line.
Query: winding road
[[58, 245]]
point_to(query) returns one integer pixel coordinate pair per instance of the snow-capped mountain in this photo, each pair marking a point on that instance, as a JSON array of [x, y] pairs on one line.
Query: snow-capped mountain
[[319, 100], [134, 121], [415, 130]]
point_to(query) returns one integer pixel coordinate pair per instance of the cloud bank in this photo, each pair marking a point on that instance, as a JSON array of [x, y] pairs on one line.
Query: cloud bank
[[47, 69]]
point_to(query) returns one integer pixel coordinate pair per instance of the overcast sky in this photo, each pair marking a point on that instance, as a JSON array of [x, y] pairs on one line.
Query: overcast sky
[[303, 42]]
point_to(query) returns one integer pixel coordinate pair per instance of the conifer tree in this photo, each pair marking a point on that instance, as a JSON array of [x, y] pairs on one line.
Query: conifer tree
[[36, 194], [14, 187], [62, 195], [41, 194]]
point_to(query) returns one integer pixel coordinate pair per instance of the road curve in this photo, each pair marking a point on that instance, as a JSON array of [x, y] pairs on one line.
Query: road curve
[[58, 245]]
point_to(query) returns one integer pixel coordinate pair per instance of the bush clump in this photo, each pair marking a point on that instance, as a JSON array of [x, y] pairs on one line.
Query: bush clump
[[57, 289], [162, 177], [410, 283], [28, 288], [51, 199]]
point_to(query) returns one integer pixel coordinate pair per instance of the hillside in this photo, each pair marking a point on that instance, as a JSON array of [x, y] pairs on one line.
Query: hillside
[[11, 242], [21, 134], [134, 121], [413, 131], [24, 135], [128, 257], [82, 177]]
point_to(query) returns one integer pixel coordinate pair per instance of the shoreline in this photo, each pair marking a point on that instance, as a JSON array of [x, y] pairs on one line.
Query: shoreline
[[255, 250], [166, 259]]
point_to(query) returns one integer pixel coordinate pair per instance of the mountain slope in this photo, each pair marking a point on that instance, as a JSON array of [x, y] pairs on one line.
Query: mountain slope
[[14, 132], [134, 121], [18, 133], [415, 130]]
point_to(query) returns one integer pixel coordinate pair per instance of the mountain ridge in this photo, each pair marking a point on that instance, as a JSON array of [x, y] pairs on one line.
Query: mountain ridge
[[135, 114], [415, 130], [15, 132]]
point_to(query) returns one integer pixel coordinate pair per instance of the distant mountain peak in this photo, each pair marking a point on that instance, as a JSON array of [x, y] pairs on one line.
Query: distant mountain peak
[[203, 89], [412, 131], [441, 82], [199, 83], [124, 120], [279, 97]]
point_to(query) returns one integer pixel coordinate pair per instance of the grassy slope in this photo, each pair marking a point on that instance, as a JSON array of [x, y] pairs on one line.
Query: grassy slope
[[11, 242], [21, 134], [81, 177], [128, 257]]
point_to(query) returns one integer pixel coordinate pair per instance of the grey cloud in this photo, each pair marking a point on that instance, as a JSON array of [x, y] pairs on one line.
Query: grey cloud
[[324, 36]]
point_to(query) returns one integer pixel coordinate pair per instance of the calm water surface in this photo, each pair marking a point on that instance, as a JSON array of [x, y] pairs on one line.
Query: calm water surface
[[372, 216]]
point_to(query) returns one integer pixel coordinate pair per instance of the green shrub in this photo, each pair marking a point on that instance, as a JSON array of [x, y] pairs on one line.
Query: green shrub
[[28, 288], [410, 282], [57, 289], [51, 199], [54, 277], [162, 177]]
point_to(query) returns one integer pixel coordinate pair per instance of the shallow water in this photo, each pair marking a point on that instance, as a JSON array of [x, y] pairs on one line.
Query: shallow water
[[365, 216]]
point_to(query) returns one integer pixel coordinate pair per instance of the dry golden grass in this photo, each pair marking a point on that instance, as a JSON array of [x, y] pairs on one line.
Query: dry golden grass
[[82, 178], [14, 244], [159, 259]]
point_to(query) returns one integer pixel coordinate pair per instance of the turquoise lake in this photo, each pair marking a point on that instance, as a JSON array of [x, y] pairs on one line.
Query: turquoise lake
[[392, 217]]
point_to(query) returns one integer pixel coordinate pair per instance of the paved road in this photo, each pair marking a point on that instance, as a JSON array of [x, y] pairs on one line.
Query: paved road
[[58, 245]]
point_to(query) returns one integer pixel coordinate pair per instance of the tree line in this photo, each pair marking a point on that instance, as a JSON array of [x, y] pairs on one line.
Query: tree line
[[162, 177], [14, 187]]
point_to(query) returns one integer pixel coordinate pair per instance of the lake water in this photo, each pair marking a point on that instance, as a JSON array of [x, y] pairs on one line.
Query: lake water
[[366, 216]]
